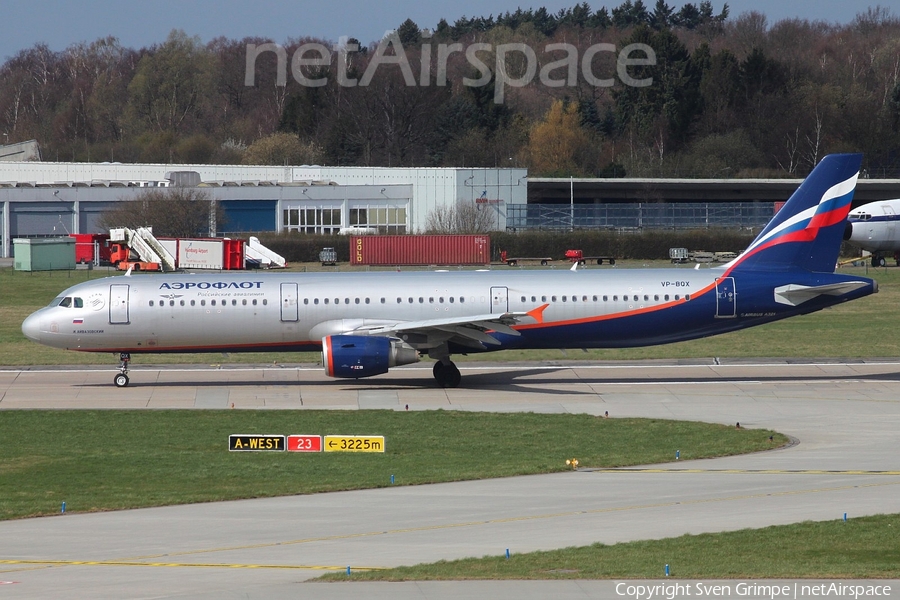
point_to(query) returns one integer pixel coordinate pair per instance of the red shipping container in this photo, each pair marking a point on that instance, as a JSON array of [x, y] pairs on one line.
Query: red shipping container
[[85, 244], [420, 250]]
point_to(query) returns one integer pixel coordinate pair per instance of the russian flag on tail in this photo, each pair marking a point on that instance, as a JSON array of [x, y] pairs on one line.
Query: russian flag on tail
[[807, 232]]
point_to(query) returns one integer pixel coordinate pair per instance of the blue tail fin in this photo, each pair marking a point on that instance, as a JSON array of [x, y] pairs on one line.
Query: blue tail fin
[[807, 232]]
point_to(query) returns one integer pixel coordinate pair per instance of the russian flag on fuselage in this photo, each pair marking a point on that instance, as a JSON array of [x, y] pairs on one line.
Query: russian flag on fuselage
[[808, 230]]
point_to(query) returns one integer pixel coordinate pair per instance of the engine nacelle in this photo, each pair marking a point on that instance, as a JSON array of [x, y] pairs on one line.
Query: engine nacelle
[[356, 356]]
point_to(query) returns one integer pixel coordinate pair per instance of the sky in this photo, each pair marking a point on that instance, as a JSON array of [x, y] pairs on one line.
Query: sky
[[59, 24]]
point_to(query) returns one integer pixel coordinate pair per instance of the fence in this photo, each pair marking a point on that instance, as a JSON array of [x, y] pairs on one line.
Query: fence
[[642, 215]]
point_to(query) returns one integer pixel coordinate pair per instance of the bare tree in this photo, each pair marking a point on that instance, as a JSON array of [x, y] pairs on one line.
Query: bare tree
[[173, 212], [461, 218]]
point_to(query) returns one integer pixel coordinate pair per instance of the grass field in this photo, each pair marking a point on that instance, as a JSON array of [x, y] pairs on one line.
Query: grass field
[[853, 330], [107, 460], [863, 548]]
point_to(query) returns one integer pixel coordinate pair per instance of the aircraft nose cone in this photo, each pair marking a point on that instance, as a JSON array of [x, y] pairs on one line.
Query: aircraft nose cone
[[31, 327]]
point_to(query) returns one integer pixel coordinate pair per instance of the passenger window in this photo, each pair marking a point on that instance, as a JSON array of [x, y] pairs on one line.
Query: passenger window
[[356, 300], [523, 299], [656, 297], [244, 301], [203, 303], [265, 302], [212, 302], [563, 298], [171, 303], [462, 299], [410, 300], [326, 300], [534, 298], [305, 301], [441, 300], [646, 297], [193, 302], [677, 296], [543, 298], [254, 301], [234, 302], [431, 300], [181, 302], [687, 296], [615, 298], [452, 299], [553, 298], [421, 300], [346, 300], [635, 298], [151, 303], [315, 301], [666, 297]]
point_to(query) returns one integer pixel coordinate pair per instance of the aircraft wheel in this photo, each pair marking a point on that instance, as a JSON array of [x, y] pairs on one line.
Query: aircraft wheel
[[121, 380], [878, 261], [447, 376]]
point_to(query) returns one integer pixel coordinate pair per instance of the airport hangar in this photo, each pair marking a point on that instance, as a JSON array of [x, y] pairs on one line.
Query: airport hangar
[[40, 199]]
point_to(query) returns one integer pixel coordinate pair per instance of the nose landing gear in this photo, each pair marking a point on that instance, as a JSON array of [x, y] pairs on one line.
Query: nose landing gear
[[121, 378]]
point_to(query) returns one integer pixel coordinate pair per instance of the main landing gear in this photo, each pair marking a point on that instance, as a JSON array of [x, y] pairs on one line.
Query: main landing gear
[[121, 378], [446, 374]]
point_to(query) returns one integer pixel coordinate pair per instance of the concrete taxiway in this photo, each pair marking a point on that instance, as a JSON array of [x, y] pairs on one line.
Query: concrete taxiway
[[844, 416]]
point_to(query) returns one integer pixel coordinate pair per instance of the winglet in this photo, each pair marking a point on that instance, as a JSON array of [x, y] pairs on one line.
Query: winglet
[[537, 313]]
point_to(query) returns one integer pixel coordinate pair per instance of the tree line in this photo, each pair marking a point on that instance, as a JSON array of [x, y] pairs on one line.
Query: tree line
[[730, 96]]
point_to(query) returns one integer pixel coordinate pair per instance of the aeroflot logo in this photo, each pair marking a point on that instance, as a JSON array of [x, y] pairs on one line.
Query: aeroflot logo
[[213, 285]]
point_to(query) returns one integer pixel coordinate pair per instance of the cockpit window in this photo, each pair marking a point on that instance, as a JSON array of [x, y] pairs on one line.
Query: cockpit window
[[78, 302], [66, 302], [56, 301]]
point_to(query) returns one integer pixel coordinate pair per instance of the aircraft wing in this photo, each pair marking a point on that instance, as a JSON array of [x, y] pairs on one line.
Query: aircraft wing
[[473, 331], [794, 294]]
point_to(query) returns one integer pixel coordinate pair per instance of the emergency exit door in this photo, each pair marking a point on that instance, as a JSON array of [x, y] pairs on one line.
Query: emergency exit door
[[499, 300], [289, 307]]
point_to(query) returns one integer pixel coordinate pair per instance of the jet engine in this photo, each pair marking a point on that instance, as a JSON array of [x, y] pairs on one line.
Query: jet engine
[[356, 356]]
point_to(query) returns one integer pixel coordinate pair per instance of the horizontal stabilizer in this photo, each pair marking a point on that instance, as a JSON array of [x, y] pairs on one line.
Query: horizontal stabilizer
[[794, 294]]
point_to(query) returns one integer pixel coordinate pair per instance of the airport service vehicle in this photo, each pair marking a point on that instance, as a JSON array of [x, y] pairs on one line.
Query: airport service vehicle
[[873, 227], [579, 257], [366, 323]]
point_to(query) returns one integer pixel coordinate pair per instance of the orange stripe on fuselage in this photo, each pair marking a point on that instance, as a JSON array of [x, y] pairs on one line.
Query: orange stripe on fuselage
[[619, 315]]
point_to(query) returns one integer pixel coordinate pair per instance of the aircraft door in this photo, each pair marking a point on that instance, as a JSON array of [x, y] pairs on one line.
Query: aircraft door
[[725, 304], [118, 304], [890, 223], [499, 300], [289, 306]]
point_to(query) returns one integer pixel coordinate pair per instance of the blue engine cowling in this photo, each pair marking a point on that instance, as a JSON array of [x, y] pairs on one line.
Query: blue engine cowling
[[356, 356]]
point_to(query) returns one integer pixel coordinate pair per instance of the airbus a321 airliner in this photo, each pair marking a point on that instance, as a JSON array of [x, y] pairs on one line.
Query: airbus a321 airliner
[[366, 323]]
